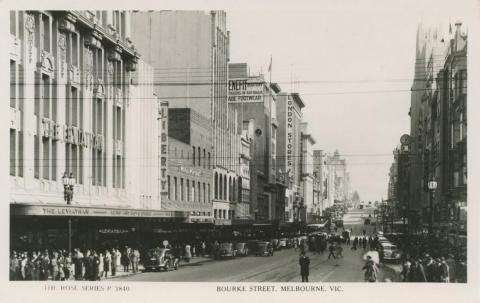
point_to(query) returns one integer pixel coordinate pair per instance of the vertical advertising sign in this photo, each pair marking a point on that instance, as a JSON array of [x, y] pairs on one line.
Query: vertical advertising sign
[[163, 115], [290, 136]]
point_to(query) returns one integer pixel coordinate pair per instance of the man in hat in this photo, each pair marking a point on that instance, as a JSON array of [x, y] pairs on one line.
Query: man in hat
[[444, 271], [430, 268], [14, 265], [304, 266], [451, 268]]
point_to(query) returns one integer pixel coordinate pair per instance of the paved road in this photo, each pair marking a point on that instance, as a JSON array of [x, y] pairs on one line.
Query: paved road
[[282, 267]]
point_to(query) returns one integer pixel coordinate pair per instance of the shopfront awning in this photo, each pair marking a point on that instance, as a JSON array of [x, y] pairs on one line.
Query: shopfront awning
[[53, 210]]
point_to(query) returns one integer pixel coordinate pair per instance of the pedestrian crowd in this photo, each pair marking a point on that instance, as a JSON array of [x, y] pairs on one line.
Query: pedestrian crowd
[[60, 265], [435, 270]]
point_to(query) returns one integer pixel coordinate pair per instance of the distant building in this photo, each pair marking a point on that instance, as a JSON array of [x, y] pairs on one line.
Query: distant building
[[189, 51], [311, 209]]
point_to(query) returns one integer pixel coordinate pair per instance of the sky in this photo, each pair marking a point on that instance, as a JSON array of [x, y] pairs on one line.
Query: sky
[[353, 67]]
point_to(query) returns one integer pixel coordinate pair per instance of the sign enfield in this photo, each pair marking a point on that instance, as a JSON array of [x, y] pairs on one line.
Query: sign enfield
[[245, 90]]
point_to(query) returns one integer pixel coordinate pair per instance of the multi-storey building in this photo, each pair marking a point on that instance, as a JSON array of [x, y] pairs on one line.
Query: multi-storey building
[[311, 208], [289, 113], [74, 90], [338, 178], [189, 51], [190, 166], [254, 99], [438, 130], [320, 170]]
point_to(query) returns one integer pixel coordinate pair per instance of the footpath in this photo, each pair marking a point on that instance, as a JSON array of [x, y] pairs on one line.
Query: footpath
[[121, 273]]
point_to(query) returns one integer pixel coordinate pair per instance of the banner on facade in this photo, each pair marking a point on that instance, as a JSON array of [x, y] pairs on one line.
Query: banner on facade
[[77, 211], [245, 90]]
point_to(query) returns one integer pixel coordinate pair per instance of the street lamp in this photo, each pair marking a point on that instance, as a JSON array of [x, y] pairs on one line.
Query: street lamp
[[432, 186], [68, 185]]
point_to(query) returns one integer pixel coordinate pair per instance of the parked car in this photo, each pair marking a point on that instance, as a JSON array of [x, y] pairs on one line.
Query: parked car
[[161, 258], [241, 249], [264, 249], [390, 252], [225, 250]]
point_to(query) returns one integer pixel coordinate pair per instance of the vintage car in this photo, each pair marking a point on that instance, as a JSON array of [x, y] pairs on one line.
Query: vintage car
[[283, 243], [225, 250], [264, 249], [390, 252], [161, 258], [241, 249]]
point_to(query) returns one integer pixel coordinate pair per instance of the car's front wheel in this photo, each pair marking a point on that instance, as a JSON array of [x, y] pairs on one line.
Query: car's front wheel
[[167, 266]]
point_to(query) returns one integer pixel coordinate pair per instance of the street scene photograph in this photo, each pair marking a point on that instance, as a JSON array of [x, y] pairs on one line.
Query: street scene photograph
[[301, 146]]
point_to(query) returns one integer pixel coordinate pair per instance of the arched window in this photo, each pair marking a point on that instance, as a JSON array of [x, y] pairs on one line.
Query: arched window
[[216, 186]]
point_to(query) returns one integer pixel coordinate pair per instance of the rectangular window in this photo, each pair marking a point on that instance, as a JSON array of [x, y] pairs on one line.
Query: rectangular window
[[46, 95], [463, 85], [209, 163], [13, 162], [80, 166], [46, 158], [175, 188], [188, 190], [122, 25], [204, 158], [20, 154], [182, 197], [75, 101], [199, 194], [204, 193], [46, 32], [13, 23], [208, 197], [168, 188], [215, 213], [119, 121], [36, 158], [54, 160], [193, 191], [199, 156], [74, 49], [193, 151], [13, 84]]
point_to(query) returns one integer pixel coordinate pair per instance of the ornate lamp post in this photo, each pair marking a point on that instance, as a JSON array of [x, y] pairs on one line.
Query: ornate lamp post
[[68, 186], [432, 186]]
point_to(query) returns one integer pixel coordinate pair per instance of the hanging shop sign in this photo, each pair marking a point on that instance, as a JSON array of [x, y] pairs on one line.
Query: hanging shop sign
[[245, 90]]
